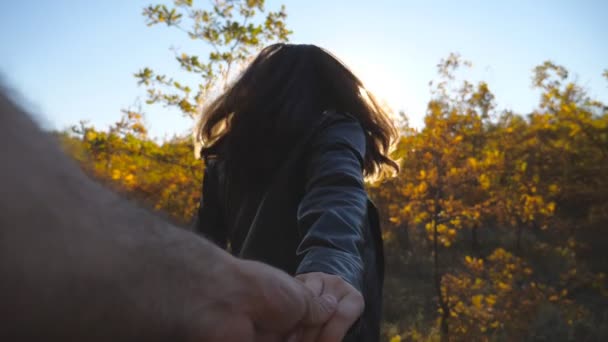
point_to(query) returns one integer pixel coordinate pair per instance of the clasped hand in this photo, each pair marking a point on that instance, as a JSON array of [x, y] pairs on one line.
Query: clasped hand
[[273, 307]]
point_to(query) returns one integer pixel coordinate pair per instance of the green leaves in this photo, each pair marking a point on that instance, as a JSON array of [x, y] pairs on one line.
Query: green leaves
[[549, 75], [161, 14], [144, 76], [187, 3], [234, 30]]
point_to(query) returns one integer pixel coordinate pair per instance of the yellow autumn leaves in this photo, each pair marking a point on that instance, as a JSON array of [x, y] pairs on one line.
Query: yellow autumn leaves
[[163, 176]]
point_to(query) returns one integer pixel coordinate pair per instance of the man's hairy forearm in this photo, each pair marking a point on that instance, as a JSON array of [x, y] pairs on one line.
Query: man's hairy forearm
[[73, 254]]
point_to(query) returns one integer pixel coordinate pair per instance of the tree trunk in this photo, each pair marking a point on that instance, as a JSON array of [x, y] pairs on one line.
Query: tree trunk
[[444, 328], [437, 274], [475, 247], [520, 228], [437, 280], [535, 226]]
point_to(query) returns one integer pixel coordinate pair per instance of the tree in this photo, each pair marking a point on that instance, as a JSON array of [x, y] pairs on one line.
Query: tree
[[163, 176], [576, 127], [523, 194], [443, 183], [498, 297], [471, 168], [233, 30]]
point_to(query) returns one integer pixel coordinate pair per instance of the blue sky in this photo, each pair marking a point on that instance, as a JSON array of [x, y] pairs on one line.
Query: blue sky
[[74, 59]]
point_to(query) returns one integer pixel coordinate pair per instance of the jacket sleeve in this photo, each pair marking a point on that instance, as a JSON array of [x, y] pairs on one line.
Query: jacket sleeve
[[209, 222], [333, 211]]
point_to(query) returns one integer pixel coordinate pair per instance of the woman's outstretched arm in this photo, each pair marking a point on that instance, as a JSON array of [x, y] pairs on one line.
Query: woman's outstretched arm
[[332, 216]]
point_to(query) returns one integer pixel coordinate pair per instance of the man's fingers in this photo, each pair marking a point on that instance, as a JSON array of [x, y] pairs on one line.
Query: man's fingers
[[319, 309], [200, 328], [295, 336], [348, 311], [315, 284], [310, 335], [268, 337], [328, 305], [313, 281], [282, 303]]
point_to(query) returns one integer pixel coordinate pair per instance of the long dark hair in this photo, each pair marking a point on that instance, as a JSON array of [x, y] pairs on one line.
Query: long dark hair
[[287, 87]]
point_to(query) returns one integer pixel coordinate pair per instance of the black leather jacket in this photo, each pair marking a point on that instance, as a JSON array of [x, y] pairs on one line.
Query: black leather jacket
[[315, 216]]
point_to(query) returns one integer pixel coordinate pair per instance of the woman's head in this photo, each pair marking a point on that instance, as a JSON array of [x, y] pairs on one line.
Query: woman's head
[[278, 96]]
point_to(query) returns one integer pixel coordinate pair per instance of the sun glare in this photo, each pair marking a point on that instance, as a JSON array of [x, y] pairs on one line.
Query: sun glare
[[378, 82]]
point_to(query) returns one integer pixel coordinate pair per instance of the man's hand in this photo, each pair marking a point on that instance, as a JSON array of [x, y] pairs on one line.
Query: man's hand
[[259, 303], [78, 263], [350, 306]]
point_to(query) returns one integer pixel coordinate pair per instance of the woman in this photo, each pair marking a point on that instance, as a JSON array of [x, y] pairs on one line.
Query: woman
[[286, 148]]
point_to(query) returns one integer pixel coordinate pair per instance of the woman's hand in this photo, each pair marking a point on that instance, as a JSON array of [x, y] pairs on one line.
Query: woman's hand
[[272, 304], [350, 307]]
